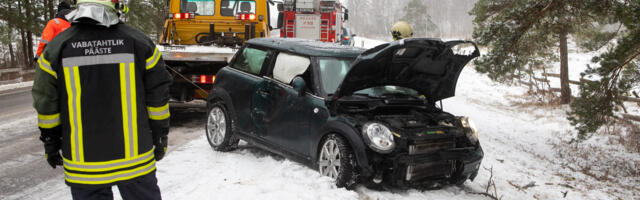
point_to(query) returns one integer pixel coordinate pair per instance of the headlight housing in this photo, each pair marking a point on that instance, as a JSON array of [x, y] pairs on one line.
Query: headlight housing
[[470, 129], [378, 137]]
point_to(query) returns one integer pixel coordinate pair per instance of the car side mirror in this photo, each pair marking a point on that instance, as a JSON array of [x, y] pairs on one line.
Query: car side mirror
[[280, 6], [298, 84], [346, 14], [280, 20]]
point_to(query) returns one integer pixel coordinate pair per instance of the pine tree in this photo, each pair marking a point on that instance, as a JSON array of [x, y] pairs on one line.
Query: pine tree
[[618, 73], [147, 15], [417, 15], [527, 34]]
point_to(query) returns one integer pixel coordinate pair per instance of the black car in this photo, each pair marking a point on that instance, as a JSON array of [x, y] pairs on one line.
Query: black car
[[357, 116]]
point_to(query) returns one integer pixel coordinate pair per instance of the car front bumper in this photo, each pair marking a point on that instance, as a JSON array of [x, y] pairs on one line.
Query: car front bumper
[[446, 166]]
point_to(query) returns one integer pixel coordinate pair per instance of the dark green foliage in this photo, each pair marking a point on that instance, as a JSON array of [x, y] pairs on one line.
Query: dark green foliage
[[416, 15], [523, 35], [618, 74], [147, 16]]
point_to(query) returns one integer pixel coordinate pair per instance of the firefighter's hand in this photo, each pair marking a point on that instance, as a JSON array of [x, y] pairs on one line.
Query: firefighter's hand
[[52, 147], [161, 147], [54, 159]]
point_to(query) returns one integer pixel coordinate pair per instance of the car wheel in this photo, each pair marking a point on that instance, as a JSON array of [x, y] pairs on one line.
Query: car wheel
[[336, 160], [219, 130]]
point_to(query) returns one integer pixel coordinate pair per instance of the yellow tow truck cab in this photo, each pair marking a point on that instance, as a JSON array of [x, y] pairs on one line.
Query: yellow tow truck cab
[[215, 22]]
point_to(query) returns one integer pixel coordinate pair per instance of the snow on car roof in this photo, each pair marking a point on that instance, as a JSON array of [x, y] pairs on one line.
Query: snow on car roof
[[308, 47]]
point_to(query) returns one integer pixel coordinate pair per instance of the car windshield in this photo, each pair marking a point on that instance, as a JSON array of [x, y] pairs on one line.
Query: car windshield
[[332, 72]]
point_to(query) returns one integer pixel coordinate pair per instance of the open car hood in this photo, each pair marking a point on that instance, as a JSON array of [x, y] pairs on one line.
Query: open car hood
[[429, 66]]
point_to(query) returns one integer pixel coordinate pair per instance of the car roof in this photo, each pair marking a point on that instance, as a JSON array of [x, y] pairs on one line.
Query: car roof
[[308, 47]]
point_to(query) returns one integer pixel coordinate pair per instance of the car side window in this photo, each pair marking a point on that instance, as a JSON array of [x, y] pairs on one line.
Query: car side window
[[250, 60], [288, 66]]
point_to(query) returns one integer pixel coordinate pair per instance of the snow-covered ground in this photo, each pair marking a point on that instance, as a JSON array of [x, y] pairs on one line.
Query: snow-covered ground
[[525, 146], [16, 85]]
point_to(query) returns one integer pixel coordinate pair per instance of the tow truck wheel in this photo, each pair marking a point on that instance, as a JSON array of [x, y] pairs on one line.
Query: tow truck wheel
[[218, 128], [336, 160]]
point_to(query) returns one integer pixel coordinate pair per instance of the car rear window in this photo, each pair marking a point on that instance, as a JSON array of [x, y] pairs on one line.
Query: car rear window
[[250, 60], [233, 7], [203, 7]]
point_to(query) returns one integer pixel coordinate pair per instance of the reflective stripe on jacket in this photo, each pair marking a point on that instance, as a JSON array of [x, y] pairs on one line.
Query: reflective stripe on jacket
[[108, 89]]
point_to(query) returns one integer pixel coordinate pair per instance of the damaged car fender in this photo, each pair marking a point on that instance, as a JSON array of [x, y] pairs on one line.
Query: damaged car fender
[[352, 135]]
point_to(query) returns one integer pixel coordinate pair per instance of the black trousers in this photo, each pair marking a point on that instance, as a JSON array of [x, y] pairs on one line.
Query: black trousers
[[142, 188]]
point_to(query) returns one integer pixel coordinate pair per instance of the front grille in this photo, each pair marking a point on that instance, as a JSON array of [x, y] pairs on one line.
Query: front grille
[[432, 169], [431, 146]]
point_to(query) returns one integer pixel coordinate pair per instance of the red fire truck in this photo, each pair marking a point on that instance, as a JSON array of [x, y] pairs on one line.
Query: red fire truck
[[313, 19]]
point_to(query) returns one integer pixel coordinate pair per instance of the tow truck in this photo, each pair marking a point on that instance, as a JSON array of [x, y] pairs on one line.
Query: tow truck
[[313, 19], [201, 36]]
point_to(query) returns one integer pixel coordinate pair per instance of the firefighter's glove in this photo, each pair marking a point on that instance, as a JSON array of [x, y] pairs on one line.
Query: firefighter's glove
[[161, 147], [52, 147]]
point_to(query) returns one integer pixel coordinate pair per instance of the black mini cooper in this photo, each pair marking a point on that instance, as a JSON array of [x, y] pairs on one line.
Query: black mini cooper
[[357, 116]]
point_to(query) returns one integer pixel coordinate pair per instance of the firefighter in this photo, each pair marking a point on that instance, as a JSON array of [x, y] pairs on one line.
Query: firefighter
[[54, 26], [101, 91], [401, 30]]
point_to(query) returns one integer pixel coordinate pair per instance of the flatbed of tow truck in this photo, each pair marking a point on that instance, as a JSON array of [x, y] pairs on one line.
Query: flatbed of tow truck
[[196, 53]]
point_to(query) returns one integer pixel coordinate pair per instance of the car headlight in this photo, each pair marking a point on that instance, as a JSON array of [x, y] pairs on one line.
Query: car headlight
[[470, 129], [378, 137]]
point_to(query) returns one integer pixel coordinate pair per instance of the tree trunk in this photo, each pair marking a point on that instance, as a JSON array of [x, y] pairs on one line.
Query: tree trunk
[[29, 35], [30, 53], [12, 55], [23, 41], [51, 4], [565, 97]]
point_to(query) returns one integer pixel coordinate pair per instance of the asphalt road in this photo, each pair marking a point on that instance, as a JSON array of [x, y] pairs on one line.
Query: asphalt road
[[22, 162]]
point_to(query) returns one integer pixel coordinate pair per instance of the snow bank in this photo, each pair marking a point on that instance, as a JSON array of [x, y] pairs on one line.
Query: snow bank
[[16, 85]]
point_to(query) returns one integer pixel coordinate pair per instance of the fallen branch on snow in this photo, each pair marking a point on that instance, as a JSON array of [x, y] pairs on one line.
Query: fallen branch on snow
[[490, 185]]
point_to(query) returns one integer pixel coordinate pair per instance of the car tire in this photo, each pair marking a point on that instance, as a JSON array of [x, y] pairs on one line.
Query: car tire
[[218, 129], [335, 149]]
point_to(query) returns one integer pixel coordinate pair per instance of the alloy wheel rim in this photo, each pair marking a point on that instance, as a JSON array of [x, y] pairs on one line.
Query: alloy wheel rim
[[216, 126], [329, 161]]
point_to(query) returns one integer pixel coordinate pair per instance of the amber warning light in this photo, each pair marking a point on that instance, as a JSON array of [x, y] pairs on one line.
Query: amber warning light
[[204, 79], [182, 15], [246, 17]]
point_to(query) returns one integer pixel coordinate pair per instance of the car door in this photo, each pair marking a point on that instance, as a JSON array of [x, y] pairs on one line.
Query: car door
[[249, 66], [283, 113]]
